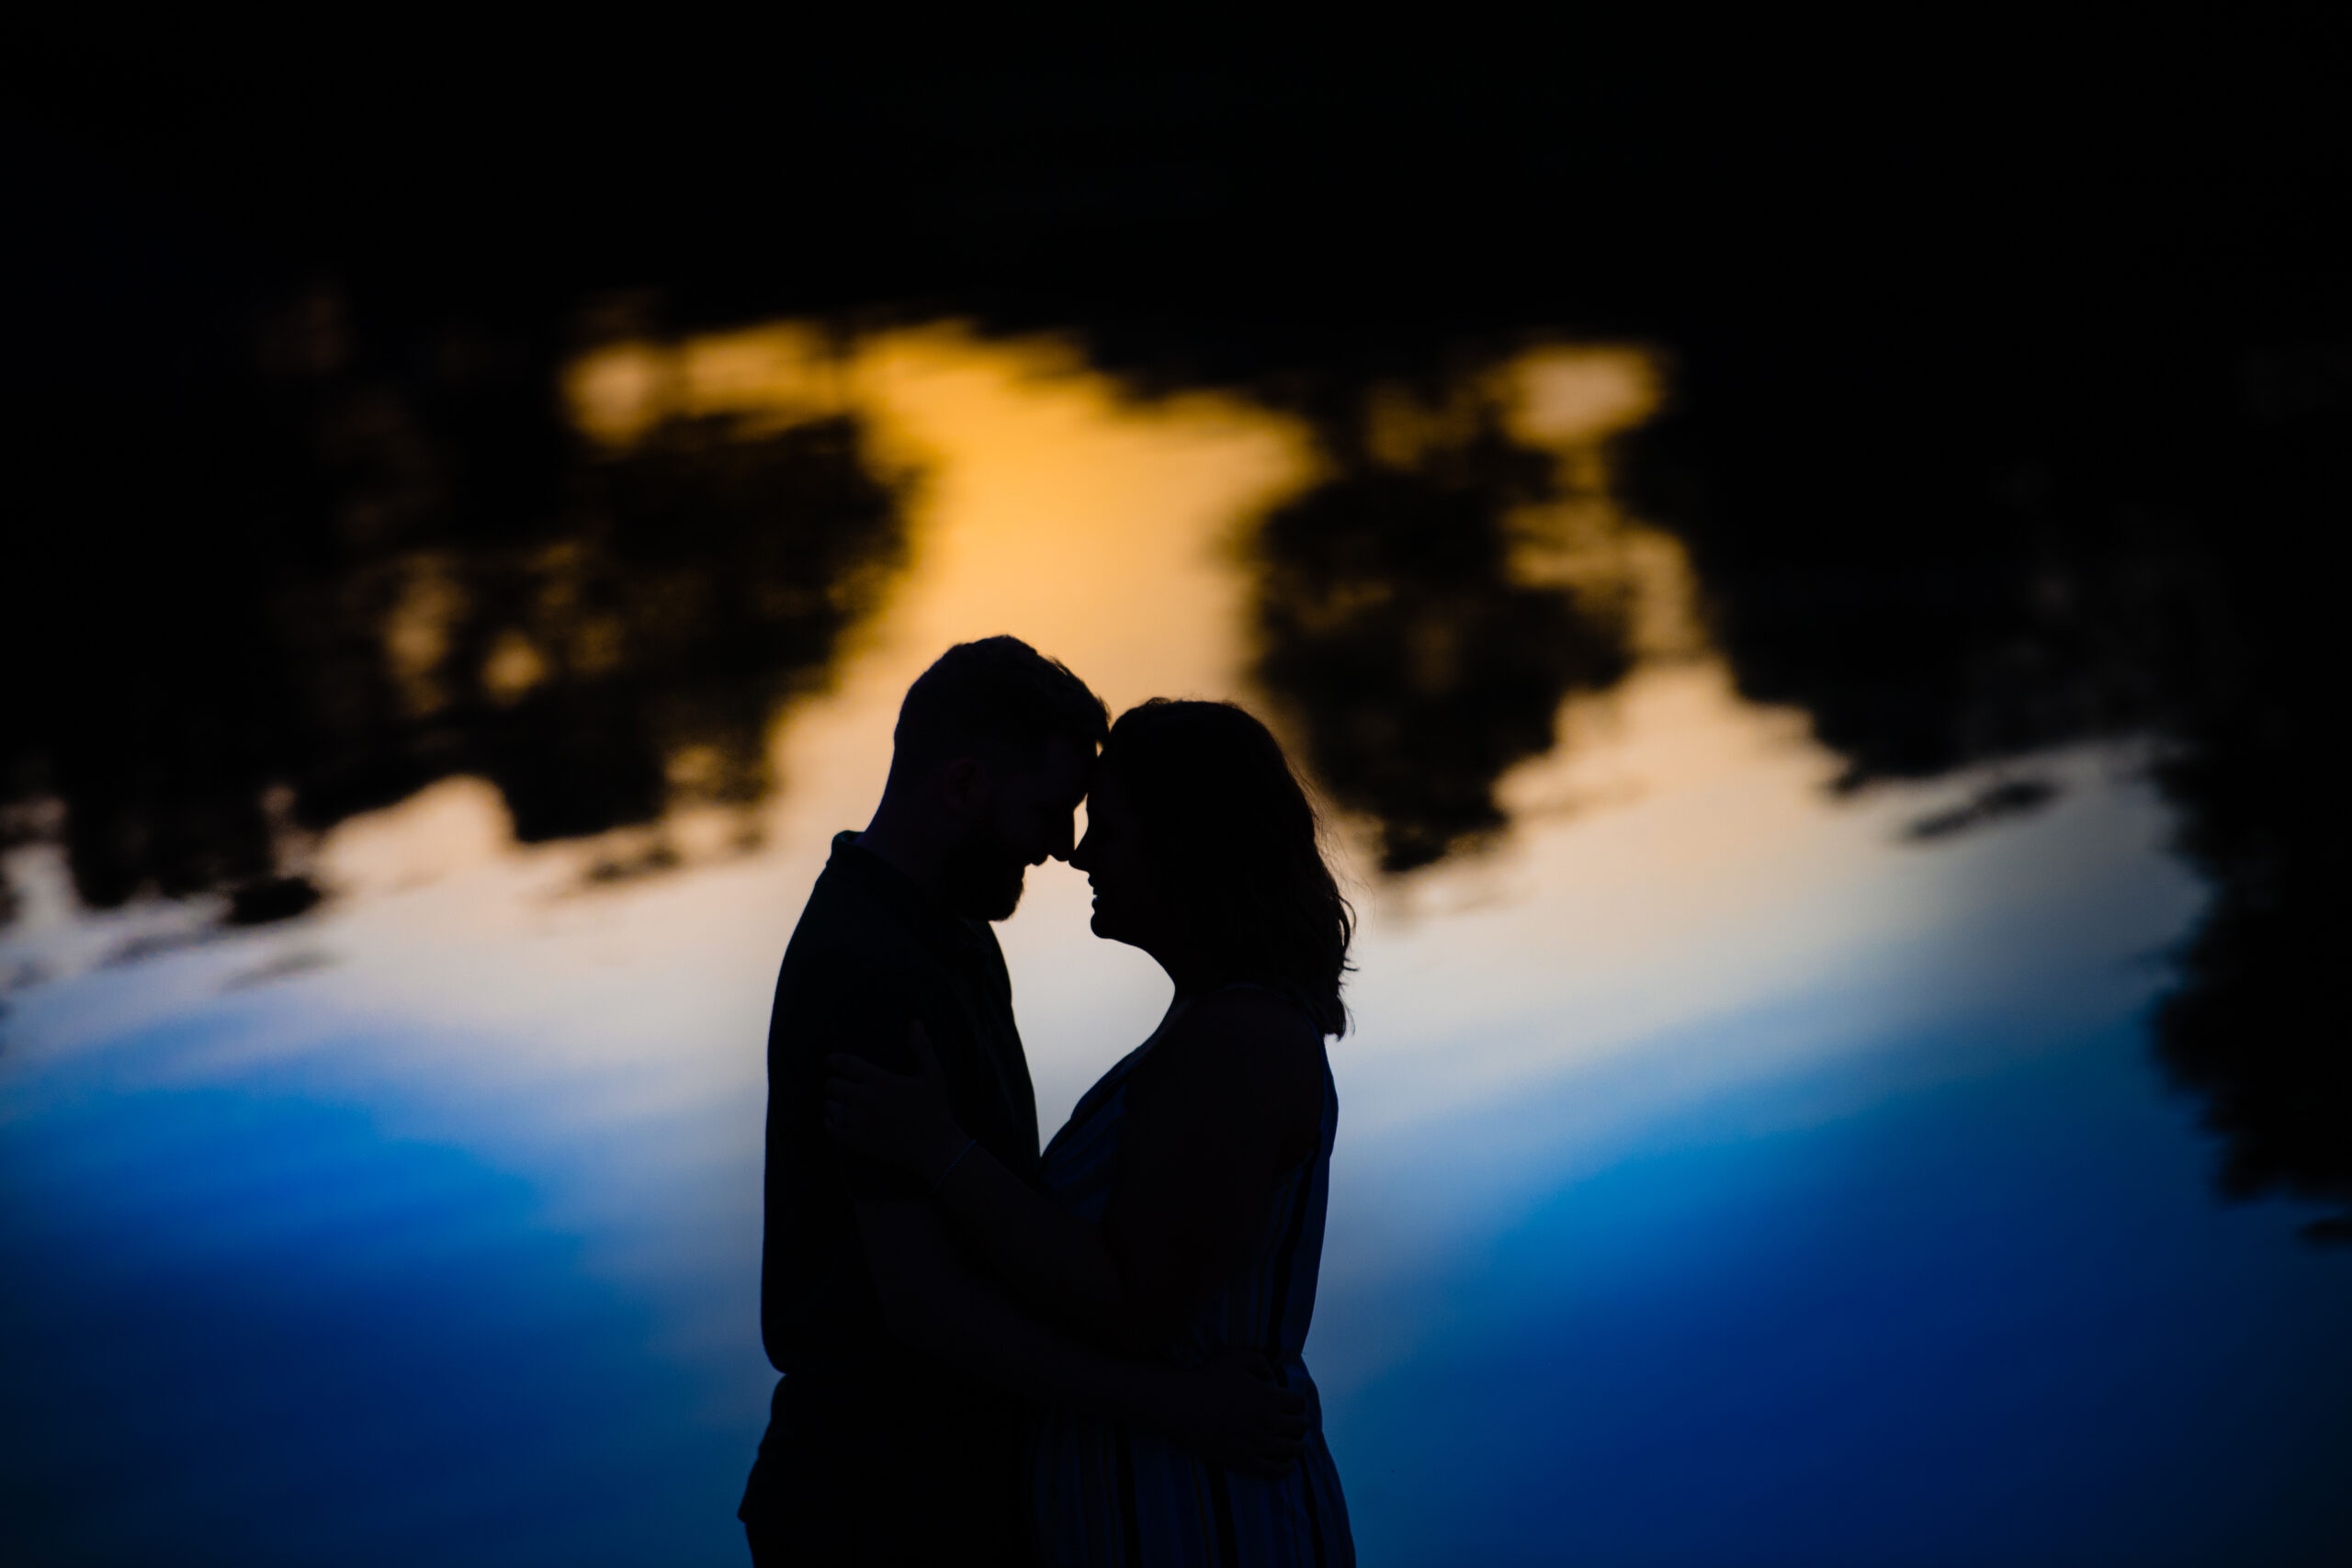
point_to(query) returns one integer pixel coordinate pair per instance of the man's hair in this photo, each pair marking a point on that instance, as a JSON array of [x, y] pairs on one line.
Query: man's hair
[[999, 698]]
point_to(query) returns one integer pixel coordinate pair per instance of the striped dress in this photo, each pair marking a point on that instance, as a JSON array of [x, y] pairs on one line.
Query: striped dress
[[1105, 1493]]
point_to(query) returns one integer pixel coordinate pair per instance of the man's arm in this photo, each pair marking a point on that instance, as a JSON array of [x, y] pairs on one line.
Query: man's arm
[[1053, 1262], [933, 1301], [1235, 1099]]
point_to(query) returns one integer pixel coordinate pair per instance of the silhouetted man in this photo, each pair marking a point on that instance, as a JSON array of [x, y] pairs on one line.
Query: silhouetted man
[[893, 1437]]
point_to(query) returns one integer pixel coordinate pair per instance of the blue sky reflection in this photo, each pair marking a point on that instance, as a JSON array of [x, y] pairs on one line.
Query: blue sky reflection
[[1721, 1177]]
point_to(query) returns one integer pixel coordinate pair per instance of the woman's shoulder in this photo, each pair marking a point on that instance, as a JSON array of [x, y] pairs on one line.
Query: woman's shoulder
[[1249, 1035], [1259, 1010]]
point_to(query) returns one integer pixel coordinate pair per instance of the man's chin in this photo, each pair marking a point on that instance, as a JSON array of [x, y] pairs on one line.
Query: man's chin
[[1003, 908], [994, 901], [981, 880]]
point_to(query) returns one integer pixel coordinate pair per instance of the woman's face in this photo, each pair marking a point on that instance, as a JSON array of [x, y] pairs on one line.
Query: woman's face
[[1128, 906]]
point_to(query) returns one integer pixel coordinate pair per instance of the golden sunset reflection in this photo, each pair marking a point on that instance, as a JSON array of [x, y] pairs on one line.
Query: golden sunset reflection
[[1672, 821], [1793, 589], [1638, 923]]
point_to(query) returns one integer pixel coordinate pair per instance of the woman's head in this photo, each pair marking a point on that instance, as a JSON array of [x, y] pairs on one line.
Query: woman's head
[[1200, 844]]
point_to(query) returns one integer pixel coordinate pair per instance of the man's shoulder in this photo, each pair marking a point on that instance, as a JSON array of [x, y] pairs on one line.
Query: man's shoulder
[[850, 944], [844, 918]]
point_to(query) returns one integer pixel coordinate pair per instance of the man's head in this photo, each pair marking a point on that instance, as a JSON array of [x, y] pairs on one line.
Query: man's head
[[994, 749]]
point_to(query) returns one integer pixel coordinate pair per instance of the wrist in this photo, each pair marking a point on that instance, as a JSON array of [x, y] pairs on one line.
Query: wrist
[[1157, 1395], [947, 1153]]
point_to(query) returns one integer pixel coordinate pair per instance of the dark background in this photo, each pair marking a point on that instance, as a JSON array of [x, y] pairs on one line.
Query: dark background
[[2011, 373]]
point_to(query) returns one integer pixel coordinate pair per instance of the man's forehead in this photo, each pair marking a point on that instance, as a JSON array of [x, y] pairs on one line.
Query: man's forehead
[[1078, 764], [1065, 767]]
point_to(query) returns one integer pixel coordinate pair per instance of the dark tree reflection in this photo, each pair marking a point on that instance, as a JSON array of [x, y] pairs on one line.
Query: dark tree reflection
[[1393, 630], [261, 601], [1999, 430], [627, 661], [1948, 564]]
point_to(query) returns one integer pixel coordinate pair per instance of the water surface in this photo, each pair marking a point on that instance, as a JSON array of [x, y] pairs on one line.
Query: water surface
[[1726, 1174]]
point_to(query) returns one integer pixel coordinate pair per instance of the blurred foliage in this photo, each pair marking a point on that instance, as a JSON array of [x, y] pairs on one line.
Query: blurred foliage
[[1414, 663], [2010, 409], [1949, 559], [273, 600]]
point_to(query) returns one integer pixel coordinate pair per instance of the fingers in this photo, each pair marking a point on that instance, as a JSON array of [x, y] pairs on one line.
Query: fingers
[[919, 1041], [1275, 1448], [844, 1064], [857, 1081], [1271, 1463], [845, 1109]]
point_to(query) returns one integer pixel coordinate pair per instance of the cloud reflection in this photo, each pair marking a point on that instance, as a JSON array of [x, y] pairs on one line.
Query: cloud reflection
[[1685, 929]]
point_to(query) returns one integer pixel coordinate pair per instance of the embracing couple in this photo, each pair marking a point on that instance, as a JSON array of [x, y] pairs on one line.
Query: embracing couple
[[1092, 1356]]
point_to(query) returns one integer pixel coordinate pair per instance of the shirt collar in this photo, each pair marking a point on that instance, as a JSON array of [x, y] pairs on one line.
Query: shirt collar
[[920, 911]]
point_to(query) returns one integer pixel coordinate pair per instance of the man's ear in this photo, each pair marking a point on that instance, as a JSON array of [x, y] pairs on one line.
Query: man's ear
[[965, 785]]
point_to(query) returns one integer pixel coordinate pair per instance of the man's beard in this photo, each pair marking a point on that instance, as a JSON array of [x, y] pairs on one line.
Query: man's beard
[[981, 877]]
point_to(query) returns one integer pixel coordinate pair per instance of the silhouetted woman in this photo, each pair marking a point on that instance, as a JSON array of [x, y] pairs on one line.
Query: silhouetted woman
[[1182, 1215]]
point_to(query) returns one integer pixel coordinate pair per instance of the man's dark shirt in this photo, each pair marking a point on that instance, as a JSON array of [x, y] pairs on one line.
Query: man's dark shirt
[[862, 1427]]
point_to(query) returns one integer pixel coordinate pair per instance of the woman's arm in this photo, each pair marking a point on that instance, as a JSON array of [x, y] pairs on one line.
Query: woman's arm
[[1053, 1261], [1225, 1107], [1231, 1099], [1230, 1409]]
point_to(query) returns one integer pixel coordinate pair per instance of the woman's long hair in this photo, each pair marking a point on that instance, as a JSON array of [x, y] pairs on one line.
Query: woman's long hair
[[1235, 840]]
